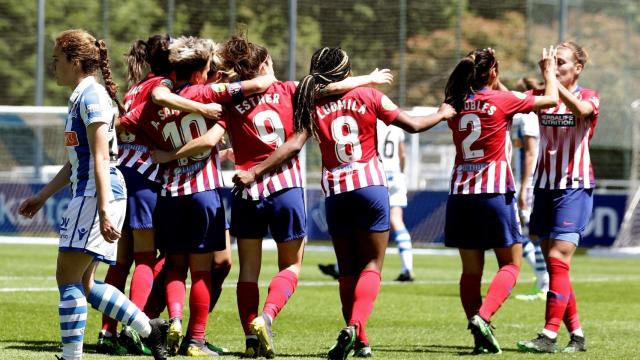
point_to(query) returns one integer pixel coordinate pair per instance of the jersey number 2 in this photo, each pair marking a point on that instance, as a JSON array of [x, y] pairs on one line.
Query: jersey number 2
[[474, 121]]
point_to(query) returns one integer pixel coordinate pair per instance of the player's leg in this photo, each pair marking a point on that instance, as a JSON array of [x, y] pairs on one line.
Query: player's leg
[[221, 267], [399, 233]]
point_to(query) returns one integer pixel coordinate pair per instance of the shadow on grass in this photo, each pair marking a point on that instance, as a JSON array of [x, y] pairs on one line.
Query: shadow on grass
[[434, 349], [322, 355], [33, 345]]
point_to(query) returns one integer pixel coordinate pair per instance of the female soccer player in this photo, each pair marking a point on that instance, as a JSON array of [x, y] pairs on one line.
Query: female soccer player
[[357, 202], [94, 217], [141, 178], [563, 201], [257, 126], [481, 208], [189, 198]]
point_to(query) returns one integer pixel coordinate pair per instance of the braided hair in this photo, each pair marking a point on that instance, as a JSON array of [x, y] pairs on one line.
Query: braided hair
[[472, 73], [328, 65]]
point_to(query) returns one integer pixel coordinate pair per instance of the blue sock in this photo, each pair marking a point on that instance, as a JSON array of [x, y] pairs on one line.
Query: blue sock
[[113, 303], [72, 312]]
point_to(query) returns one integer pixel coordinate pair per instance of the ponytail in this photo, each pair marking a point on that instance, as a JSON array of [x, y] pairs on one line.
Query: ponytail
[[328, 65], [470, 74], [136, 61], [105, 68]]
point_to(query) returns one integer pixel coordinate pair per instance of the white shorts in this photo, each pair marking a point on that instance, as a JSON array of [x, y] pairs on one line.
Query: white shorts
[[397, 183], [80, 228]]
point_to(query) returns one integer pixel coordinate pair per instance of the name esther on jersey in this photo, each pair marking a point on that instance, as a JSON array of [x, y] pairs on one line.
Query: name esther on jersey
[[254, 101], [341, 104]]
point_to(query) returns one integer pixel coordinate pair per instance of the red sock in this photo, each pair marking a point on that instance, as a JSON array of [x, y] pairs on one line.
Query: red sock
[[142, 279], [499, 290], [281, 287], [199, 304], [571, 319], [176, 290], [157, 301], [117, 277], [470, 293], [558, 295], [248, 297], [218, 274], [366, 291], [347, 288]]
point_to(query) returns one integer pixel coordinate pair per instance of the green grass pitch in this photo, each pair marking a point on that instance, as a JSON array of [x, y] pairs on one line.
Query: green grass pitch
[[410, 321]]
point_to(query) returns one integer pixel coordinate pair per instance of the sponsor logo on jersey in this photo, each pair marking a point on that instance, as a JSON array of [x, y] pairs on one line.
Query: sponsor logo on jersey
[[471, 167], [91, 108], [71, 138], [64, 223], [558, 120], [81, 233], [387, 104], [166, 82], [218, 87]]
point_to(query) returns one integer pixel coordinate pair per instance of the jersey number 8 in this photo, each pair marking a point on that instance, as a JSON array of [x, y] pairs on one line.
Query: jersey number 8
[[344, 130]]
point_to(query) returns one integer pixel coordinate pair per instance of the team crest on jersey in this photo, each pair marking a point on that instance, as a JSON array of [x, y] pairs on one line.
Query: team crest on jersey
[[218, 87], [71, 138], [387, 104], [166, 82]]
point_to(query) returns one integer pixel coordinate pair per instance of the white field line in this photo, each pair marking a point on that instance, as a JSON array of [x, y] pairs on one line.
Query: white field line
[[330, 283]]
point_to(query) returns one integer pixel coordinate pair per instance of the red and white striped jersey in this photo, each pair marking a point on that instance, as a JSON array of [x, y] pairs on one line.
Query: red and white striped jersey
[[481, 134], [171, 129], [133, 149], [564, 161], [258, 126], [346, 128]]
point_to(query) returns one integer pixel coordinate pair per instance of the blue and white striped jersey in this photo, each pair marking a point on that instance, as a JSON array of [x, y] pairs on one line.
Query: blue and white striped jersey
[[89, 103]]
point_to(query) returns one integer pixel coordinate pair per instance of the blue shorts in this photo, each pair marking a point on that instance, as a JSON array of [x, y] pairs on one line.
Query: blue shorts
[[561, 214], [482, 221], [282, 212], [141, 199], [364, 209], [191, 223]]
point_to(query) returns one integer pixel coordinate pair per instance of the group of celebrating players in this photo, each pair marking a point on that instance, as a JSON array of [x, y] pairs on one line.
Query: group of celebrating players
[[162, 200]]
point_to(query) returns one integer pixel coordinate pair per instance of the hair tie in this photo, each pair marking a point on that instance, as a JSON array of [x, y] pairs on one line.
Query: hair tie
[[97, 43]]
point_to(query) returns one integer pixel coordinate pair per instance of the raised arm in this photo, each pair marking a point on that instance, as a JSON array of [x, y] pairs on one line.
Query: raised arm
[[196, 146], [581, 109], [376, 77], [162, 96], [282, 154], [548, 68], [416, 124]]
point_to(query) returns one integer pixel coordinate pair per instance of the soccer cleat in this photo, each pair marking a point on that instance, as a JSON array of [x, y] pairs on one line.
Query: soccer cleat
[[109, 345], [261, 327], [405, 276], [344, 344], [132, 342], [541, 344], [362, 350], [481, 330], [196, 348], [329, 269], [219, 349], [478, 346], [576, 344], [157, 337], [174, 335], [253, 348], [537, 295]]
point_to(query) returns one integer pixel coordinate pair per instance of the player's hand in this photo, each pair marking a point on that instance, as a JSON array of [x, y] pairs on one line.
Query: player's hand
[[381, 77], [522, 201], [547, 62], [109, 232], [447, 111], [244, 178], [161, 156], [227, 154], [30, 206], [211, 111]]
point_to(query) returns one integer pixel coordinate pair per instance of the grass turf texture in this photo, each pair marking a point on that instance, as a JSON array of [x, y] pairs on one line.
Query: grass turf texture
[[416, 320]]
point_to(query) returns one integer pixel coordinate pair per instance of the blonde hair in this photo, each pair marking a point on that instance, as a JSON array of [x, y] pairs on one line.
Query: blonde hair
[[579, 53], [188, 54]]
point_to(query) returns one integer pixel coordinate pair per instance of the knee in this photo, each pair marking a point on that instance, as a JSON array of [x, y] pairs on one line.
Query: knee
[[223, 266]]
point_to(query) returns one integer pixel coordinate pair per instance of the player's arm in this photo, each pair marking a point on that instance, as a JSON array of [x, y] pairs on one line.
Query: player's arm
[[99, 147], [286, 151], [257, 85], [530, 143], [162, 95], [582, 109], [402, 155], [415, 124], [196, 146], [548, 67], [30, 206], [376, 77]]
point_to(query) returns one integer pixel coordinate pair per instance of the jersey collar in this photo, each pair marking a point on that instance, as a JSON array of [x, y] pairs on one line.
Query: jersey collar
[[80, 88]]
